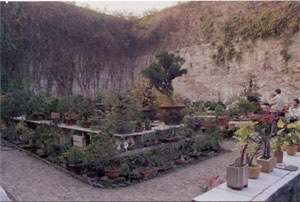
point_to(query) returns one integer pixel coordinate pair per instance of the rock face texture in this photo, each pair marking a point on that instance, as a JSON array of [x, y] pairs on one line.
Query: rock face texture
[[64, 49], [260, 60]]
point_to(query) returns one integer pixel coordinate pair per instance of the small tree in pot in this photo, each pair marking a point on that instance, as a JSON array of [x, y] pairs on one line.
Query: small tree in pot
[[161, 75], [237, 173], [291, 134], [263, 128]]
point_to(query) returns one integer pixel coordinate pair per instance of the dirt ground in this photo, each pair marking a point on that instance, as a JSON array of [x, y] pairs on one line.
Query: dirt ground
[[28, 179]]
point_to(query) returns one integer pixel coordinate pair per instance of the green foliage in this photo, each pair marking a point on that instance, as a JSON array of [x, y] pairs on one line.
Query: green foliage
[[74, 156], [162, 73], [89, 161], [290, 132], [12, 104], [245, 106], [211, 105], [46, 137], [40, 102]]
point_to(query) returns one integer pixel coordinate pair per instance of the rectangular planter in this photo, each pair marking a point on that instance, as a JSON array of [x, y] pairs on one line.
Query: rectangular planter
[[149, 173], [237, 177], [267, 165]]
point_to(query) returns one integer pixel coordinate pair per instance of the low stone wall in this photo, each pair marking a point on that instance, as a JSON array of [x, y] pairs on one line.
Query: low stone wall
[[288, 192]]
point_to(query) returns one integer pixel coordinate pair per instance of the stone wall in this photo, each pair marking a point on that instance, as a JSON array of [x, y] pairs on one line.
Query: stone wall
[[263, 59], [289, 192]]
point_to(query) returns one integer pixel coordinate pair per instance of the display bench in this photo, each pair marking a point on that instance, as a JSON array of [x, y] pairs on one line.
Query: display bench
[[72, 134], [279, 185], [81, 137]]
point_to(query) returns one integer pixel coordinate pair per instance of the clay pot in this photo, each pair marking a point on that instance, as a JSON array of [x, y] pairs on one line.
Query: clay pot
[[55, 115], [279, 156], [298, 144], [254, 171], [267, 165], [291, 149], [112, 173]]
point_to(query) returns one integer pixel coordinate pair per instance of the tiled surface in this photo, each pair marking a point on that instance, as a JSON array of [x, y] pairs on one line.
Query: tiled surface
[[259, 189]]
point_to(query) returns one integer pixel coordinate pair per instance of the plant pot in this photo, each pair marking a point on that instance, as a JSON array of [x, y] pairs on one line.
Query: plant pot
[[112, 173], [183, 162], [74, 168], [172, 114], [170, 139], [291, 149], [279, 156], [165, 168], [207, 153], [138, 129], [91, 173], [150, 114], [237, 177], [254, 171], [267, 165], [298, 145], [55, 115], [151, 172], [70, 121], [195, 155], [86, 124]]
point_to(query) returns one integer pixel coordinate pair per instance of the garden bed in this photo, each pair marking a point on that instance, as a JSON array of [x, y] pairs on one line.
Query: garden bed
[[104, 182]]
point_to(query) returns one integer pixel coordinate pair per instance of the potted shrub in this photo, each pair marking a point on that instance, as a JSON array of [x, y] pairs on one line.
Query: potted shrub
[[254, 169], [38, 106], [148, 110], [263, 128], [161, 75], [138, 126], [123, 115], [237, 173], [74, 159], [105, 151], [291, 135], [148, 124], [90, 165], [277, 147]]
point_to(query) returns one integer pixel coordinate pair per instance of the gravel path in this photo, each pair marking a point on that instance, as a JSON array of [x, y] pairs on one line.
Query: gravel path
[[29, 179]]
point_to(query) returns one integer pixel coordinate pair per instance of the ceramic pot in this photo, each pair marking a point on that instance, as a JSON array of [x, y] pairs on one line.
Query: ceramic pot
[[291, 149], [237, 177], [254, 171], [267, 165], [279, 156]]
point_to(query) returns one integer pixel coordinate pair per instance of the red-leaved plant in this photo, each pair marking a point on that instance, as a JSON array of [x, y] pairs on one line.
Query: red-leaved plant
[[210, 183]]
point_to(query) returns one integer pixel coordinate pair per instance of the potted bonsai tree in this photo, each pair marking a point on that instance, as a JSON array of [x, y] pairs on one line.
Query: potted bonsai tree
[[161, 75], [38, 106], [291, 132], [237, 173], [123, 115], [254, 169], [74, 159], [276, 145], [263, 128]]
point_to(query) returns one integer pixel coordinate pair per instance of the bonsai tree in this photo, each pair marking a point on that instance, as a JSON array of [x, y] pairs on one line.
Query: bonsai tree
[[263, 128], [39, 103], [290, 131], [245, 106], [243, 135], [162, 73]]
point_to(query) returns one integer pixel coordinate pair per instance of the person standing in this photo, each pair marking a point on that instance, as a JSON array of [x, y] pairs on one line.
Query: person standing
[[294, 111], [277, 107], [277, 103]]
